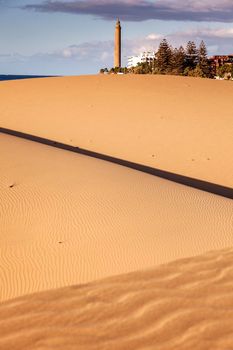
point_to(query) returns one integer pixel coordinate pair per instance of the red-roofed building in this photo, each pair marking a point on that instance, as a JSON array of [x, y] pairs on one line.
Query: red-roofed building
[[218, 61]]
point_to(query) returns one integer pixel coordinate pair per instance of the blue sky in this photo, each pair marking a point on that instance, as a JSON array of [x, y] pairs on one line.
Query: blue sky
[[71, 37]]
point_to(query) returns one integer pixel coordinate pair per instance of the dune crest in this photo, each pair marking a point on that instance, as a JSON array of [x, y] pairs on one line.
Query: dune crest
[[182, 125], [185, 305]]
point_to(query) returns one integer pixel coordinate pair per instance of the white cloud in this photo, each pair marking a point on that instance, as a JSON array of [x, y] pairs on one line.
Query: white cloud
[[154, 36], [95, 51], [67, 53]]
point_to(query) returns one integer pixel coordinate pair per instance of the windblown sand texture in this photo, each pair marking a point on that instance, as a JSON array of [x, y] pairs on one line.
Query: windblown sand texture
[[69, 219], [184, 305], [183, 125], [82, 240]]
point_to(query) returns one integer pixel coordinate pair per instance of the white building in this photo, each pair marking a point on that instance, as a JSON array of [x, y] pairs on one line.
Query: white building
[[147, 56]]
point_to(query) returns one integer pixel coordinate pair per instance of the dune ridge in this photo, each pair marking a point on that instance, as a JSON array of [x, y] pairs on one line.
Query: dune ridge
[[186, 305], [182, 125], [181, 179]]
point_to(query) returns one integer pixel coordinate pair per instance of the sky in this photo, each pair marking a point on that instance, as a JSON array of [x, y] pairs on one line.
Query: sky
[[73, 37]]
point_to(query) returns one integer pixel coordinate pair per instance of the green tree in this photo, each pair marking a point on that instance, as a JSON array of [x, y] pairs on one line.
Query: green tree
[[164, 58], [143, 68], [191, 55], [178, 61], [231, 70], [103, 70], [225, 71], [197, 72], [203, 62]]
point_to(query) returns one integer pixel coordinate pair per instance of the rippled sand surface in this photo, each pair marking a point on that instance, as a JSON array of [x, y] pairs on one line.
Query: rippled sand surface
[[94, 255], [68, 219], [185, 305]]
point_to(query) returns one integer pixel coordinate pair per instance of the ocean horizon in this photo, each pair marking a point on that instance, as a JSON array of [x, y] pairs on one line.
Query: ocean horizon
[[4, 77]]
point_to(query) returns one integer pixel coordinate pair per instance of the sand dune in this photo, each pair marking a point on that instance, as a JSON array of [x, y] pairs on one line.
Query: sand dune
[[184, 305], [69, 219], [183, 125]]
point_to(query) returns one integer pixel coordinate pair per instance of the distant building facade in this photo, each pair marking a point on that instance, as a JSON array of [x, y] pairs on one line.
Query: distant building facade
[[218, 61], [144, 57]]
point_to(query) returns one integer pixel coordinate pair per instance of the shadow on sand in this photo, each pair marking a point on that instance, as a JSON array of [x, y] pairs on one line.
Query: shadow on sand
[[184, 180]]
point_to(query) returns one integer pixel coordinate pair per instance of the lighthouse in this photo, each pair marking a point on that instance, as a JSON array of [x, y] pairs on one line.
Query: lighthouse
[[117, 51]]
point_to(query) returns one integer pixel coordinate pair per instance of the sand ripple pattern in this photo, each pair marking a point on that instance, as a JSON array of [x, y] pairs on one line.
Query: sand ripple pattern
[[67, 219], [184, 305]]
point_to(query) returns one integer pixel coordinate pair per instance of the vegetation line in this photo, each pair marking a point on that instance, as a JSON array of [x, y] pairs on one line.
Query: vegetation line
[[190, 61], [220, 190]]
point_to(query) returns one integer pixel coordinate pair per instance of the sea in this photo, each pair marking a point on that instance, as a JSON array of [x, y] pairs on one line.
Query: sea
[[17, 77]]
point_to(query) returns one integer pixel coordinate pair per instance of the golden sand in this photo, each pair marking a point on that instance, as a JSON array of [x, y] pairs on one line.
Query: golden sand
[[183, 125], [186, 305], [67, 219]]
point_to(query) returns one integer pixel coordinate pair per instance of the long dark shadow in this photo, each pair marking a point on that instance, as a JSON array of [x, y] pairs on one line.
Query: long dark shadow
[[181, 179]]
